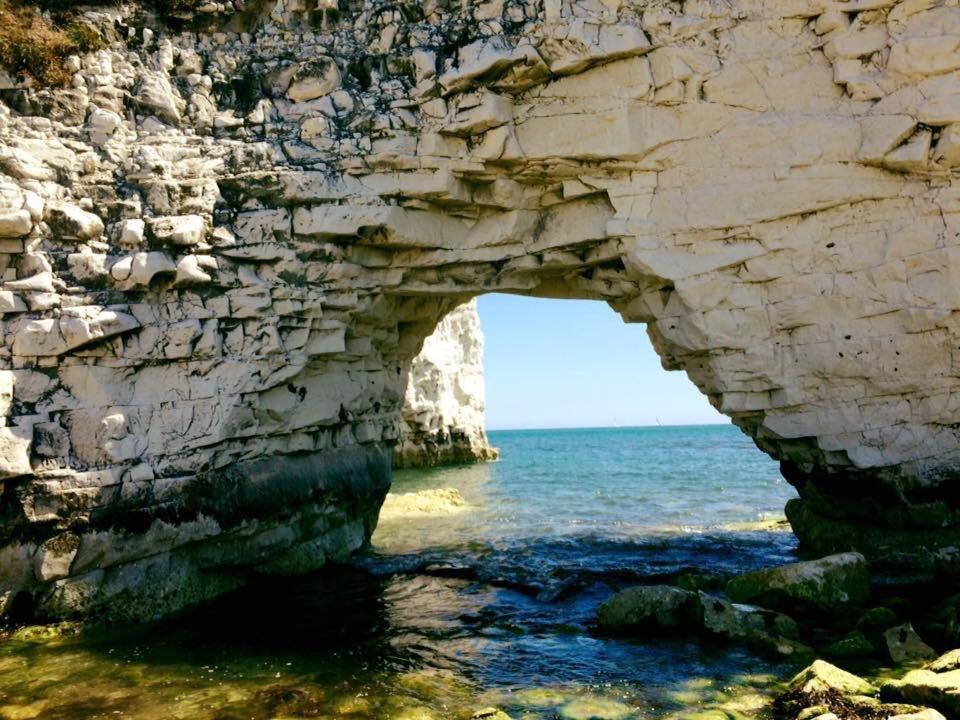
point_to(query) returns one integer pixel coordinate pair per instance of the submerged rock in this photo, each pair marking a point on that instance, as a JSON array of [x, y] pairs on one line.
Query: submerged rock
[[439, 501], [490, 714], [824, 584], [595, 709]]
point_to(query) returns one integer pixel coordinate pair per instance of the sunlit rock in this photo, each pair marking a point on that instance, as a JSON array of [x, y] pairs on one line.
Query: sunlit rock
[[286, 210]]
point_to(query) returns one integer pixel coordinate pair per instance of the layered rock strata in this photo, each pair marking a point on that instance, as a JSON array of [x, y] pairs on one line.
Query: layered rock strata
[[224, 243], [443, 421]]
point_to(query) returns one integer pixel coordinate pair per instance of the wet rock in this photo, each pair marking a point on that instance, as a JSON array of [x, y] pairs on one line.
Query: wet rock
[[439, 501], [877, 618], [649, 606], [940, 690], [595, 709], [904, 644], [946, 662], [736, 621], [823, 688], [490, 714], [821, 676], [824, 584], [924, 714], [855, 644]]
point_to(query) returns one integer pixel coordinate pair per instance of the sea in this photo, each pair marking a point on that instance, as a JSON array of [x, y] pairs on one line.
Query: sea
[[456, 614]]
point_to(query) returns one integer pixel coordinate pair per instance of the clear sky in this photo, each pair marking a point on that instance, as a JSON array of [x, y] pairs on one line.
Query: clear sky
[[574, 363]]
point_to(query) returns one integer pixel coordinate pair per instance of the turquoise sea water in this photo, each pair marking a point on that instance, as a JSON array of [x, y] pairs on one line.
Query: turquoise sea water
[[446, 615]]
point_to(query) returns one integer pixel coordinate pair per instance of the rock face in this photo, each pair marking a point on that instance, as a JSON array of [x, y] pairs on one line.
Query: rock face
[[825, 584], [443, 418], [242, 231]]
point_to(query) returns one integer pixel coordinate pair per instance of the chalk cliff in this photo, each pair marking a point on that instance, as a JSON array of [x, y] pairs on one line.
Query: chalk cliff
[[225, 240], [443, 420]]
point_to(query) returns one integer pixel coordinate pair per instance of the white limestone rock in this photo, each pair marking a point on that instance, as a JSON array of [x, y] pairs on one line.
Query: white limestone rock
[[15, 452], [70, 222], [444, 411], [76, 327], [770, 187], [182, 230], [314, 79], [15, 224]]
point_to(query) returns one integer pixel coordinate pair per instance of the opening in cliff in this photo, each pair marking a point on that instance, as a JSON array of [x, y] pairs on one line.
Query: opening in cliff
[[580, 405], [575, 363]]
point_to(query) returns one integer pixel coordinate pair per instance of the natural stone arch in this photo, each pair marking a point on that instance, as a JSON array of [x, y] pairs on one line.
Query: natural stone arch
[[203, 377]]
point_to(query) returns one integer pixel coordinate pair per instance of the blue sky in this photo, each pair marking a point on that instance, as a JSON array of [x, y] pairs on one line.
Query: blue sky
[[574, 363]]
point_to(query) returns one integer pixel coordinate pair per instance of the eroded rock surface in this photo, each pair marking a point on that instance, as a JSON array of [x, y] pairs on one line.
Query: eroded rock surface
[[444, 413], [223, 245]]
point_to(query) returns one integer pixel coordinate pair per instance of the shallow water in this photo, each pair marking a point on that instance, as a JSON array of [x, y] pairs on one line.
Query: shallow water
[[444, 616]]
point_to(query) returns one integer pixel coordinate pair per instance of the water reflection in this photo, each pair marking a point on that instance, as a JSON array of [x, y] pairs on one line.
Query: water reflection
[[493, 607], [347, 643]]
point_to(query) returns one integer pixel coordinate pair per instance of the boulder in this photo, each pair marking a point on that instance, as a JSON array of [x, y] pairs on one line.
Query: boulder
[[314, 79], [924, 714], [54, 557], [651, 606], [821, 676], [940, 690], [155, 95], [824, 584], [180, 230], [946, 662], [855, 644], [736, 621], [904, 644], [69, 222], [15, 223], [139, 269]]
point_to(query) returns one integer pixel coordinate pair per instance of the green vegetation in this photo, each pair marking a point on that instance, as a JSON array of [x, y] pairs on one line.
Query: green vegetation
[[31, 47], [37, 37]]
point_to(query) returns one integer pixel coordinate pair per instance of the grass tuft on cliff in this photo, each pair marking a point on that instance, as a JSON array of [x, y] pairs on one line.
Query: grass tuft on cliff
[[36, 37], [33, 47]]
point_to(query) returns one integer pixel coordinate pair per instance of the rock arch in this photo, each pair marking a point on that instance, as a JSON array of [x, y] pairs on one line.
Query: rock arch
[[209, 310]]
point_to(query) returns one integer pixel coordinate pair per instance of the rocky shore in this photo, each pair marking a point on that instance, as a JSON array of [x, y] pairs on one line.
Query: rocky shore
[[826, 607]]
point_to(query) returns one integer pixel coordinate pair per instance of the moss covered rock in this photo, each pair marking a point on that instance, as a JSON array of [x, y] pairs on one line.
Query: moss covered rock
[[824, 584], [649, 606]]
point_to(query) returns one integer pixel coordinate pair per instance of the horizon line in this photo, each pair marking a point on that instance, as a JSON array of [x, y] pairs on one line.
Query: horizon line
[[609, 427]]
